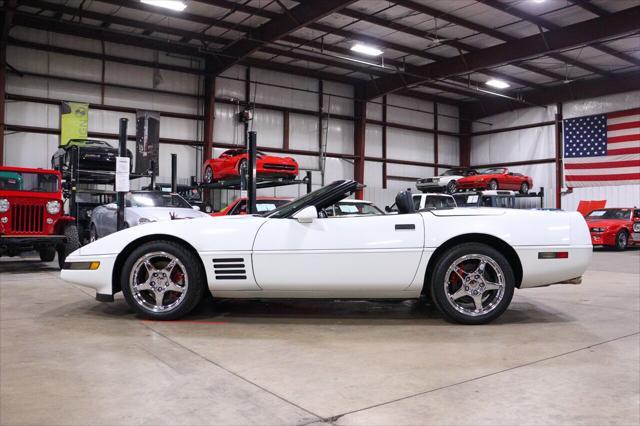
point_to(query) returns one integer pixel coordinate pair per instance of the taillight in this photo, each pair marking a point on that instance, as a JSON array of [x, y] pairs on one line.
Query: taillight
[[553, 255]]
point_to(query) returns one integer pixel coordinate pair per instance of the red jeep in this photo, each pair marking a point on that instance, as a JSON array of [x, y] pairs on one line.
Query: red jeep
[[32, 214]]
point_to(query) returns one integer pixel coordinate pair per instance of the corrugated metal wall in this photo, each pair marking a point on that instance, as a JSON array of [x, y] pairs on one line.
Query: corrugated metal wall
[[539, 143]]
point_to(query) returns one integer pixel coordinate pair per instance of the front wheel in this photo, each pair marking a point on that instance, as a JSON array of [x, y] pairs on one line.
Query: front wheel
[[161, 280], [524, 188], [47, 254], [72, 244], [208, 175], [472, 283], [622, 239], [493, 185]]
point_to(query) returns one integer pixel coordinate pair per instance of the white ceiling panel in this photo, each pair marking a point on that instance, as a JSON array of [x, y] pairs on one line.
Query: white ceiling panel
[[569, 16], [614, 5]]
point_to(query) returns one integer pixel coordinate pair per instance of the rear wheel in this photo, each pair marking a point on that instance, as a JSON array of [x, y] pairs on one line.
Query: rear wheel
[[622, 239], [524, 188], [72, 244], [451, 187], [208, 175], [161, 280], [472, 283], [493, 185], [47, 254], [243, 165]]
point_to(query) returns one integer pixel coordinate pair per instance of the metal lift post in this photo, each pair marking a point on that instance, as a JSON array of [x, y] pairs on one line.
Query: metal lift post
[[251, 171], [122, 152]]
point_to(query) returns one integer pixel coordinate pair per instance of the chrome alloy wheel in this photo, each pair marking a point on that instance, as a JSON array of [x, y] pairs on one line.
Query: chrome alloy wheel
[[474, 284], [158, 281]]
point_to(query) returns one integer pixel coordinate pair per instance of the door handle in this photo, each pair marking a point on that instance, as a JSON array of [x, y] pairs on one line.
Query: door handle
[[407, 226]]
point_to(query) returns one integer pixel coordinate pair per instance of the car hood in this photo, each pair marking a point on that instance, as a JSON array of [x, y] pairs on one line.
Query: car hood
[[163, 213]]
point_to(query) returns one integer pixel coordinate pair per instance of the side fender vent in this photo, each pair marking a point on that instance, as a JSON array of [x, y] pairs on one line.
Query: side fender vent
[[231, 268]]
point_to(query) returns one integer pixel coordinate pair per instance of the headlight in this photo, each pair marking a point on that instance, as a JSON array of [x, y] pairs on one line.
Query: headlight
[[4, 205], [144, 220], [598, 229], [636, 227], [53, 207]]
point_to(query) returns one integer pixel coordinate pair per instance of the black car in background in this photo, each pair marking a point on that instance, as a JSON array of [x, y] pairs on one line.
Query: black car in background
[[93, 155]]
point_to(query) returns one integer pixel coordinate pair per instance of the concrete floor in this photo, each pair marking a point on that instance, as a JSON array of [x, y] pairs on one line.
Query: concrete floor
[[560, 355]]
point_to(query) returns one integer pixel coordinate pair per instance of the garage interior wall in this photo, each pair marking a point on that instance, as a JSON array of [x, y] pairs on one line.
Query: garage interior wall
[[538, 144], [32, 135]]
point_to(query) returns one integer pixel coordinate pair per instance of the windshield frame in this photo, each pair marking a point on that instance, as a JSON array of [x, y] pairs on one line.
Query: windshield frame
[[22, 175], [502, 171], [320, 198]]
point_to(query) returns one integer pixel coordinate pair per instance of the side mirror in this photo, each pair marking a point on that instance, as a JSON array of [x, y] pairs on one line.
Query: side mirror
[[112, 206], [307, 215], [196, 208]]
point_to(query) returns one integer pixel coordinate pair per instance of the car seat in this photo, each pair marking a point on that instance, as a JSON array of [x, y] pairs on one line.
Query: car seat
[[404, 202]]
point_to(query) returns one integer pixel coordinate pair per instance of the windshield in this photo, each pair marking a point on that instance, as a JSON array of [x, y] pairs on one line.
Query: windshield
[[346, 208], [156, 199], [496, 171], [320, 198], [620, 214], [89, 142], [25, 181], [434, 202], [458, 172], [466, 200]]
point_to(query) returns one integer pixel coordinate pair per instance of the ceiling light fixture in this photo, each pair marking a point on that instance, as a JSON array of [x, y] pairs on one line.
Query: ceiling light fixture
[[366, 50], [498, 84], [538, 1], [167, 4]]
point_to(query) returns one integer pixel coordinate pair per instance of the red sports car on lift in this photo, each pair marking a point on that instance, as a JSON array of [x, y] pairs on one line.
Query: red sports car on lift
[[263, 205], [496, 178], [617, 228], [232, 162]]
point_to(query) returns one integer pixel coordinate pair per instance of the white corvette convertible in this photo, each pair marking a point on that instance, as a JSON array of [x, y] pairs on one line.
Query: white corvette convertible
[[468, 261]]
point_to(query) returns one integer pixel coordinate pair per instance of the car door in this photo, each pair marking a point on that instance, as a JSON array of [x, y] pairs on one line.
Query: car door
[[355, 254]]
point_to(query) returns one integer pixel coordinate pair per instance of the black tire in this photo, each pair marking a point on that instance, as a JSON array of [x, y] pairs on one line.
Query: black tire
[[72, 244], [622, 239], [438, 289], [47, 254], [196, 278], [451, 187], [493, 185], [242, 165], [93, 234], [208, 175], [524, 188]]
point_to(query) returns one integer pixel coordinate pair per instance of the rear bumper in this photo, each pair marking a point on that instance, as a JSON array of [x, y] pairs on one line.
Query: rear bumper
[[543, 272]]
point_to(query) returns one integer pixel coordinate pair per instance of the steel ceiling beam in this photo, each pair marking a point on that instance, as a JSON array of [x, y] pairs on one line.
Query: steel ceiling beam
[[276, 28], [579, 89], [545, 23], [598, 11], [616, 24], [370, 40]]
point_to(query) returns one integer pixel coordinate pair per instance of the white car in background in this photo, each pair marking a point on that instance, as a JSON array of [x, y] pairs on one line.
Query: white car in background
[[446, 182], [141, 207], [468, 261]]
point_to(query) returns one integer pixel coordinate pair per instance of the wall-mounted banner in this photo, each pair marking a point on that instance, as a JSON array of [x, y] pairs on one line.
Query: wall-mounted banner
[[602, 149], [74, 121], [147, 140]]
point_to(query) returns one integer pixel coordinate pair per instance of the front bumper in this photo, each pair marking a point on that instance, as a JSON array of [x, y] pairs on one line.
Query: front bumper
[[29, 242], [430, 186], [101, 279], [471, 185]]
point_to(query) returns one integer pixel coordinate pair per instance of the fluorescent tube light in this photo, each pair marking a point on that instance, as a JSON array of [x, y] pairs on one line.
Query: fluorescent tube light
[[167, 4], [366, 50], [498, 84]]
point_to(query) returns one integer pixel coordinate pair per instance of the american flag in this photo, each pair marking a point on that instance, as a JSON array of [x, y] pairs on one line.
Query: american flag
[[603, 149]]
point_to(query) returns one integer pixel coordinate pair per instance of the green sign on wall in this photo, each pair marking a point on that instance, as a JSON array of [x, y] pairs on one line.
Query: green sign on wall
[[74, 121]]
